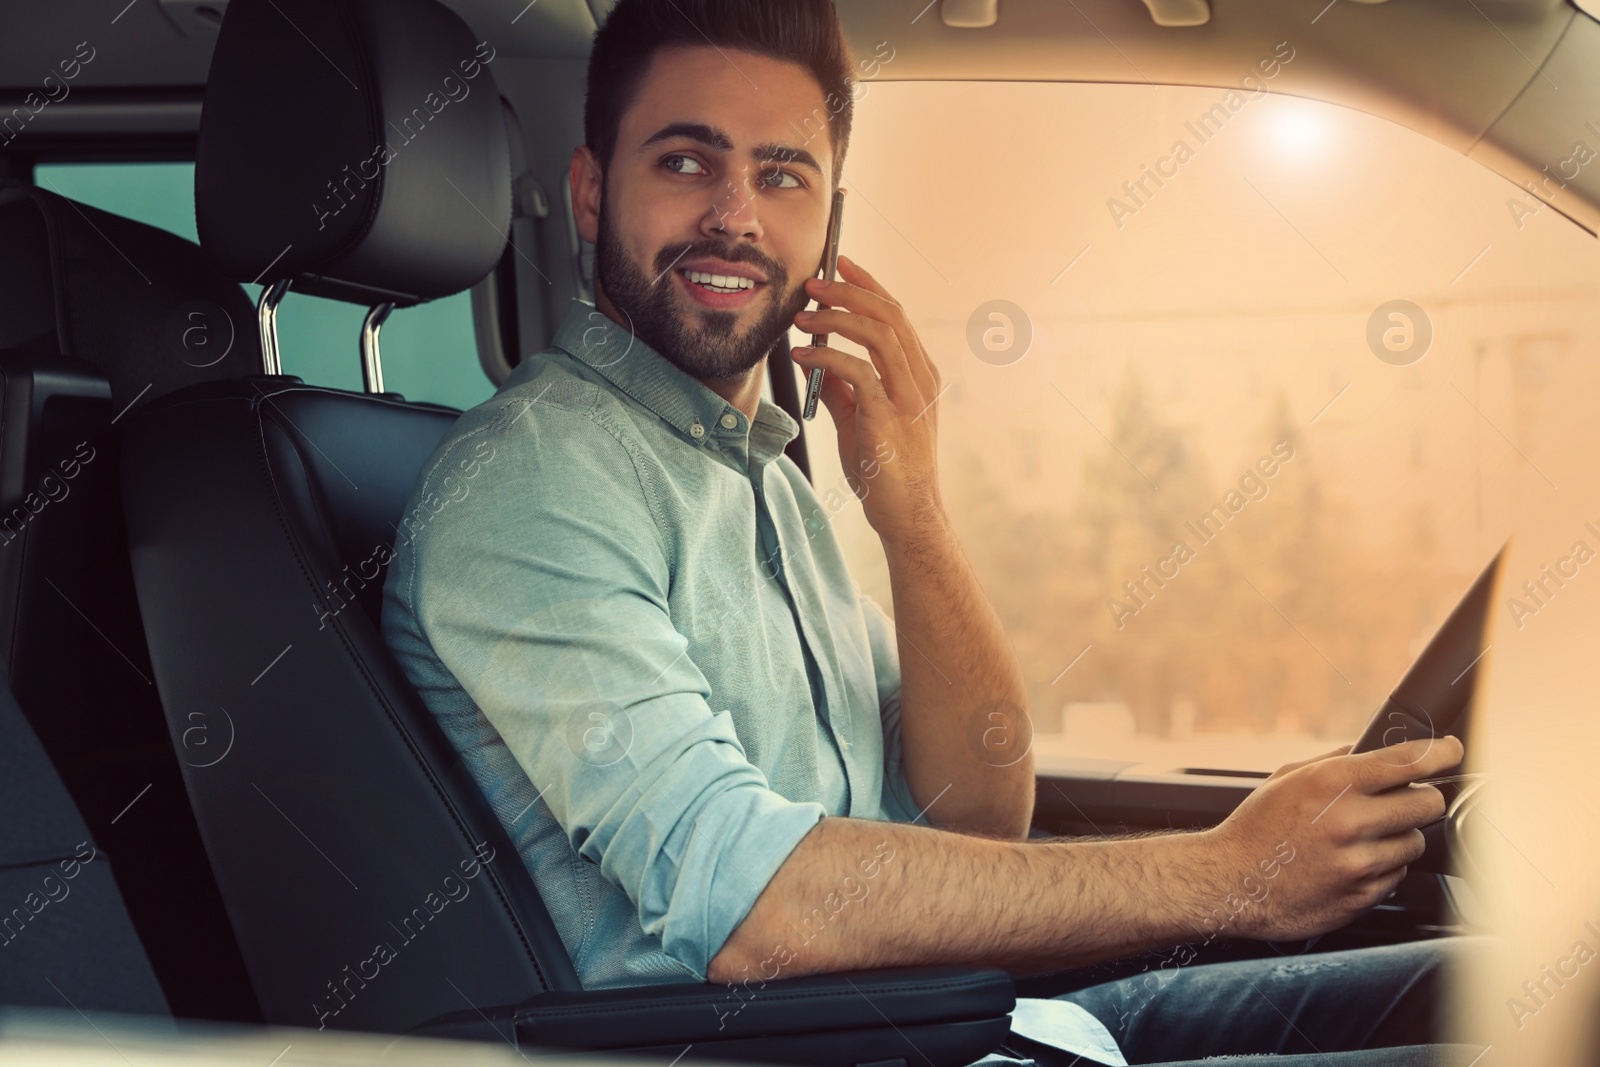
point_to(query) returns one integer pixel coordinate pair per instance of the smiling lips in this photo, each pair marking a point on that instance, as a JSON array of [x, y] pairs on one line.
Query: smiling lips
[[729, 288], [720, 282]]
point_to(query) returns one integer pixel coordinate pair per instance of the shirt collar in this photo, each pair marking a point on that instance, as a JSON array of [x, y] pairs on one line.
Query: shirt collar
[[682, 401]]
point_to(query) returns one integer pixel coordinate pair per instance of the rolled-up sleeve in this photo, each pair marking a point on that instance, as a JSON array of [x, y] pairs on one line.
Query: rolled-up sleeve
[[898, 803], [543, 590]]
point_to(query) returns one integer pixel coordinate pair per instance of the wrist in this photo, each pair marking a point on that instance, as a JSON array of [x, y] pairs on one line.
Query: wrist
[[1202, 889], [1231, 891], [926, 526]]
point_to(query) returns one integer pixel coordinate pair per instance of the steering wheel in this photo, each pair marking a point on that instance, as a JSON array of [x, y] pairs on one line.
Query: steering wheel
[[1433, 700]]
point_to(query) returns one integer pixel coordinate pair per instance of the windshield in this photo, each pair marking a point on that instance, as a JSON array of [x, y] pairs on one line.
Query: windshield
[[1242, 392]]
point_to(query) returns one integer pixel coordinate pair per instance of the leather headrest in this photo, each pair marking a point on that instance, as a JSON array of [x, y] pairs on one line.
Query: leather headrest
[[355, 146], [140, 305]]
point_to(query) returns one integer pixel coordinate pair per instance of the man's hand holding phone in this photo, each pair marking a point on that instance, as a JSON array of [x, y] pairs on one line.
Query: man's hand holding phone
[[885, 409]]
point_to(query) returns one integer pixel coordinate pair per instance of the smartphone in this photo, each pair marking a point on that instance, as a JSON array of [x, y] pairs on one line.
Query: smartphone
[[830, 263]]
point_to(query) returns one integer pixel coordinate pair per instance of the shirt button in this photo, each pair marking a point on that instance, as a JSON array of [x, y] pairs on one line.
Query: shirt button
[[696, 430], [729, 420]]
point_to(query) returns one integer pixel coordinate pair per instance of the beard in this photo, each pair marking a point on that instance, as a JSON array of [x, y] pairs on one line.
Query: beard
[[702, 342]]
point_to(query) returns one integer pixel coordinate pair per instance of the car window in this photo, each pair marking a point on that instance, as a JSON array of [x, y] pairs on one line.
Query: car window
[[429, 352], [1241, 392]]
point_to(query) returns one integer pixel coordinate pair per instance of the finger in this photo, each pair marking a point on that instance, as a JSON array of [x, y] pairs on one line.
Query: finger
[[1287, 767], [1397, 765], [886, 345], [880, 341], [1381, 858], [860, 292], [1403, 809], [1374, 891], [922, 368], [864, 277], [840, 293], [839, 397], [869, 391]]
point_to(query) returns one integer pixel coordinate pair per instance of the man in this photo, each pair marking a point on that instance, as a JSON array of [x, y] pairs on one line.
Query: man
[[720, 761]]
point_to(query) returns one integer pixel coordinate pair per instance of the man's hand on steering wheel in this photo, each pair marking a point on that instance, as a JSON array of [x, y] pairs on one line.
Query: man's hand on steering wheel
[[1352, 823]]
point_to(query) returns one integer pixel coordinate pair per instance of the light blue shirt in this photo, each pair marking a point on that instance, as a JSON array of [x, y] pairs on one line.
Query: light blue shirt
[[629, 612]]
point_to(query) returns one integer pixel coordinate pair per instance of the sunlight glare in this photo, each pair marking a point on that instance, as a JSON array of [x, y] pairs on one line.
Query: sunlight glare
[[1297, 130]]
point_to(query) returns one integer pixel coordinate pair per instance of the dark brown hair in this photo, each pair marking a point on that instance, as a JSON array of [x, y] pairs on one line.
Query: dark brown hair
[[803, 32]]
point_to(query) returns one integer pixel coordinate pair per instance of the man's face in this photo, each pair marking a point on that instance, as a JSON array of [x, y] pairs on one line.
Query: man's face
[[715, 207]]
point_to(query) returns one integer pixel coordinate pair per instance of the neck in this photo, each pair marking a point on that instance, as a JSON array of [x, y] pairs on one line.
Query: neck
[[744, 391]]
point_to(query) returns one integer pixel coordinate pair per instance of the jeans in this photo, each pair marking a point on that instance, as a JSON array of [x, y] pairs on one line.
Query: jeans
[[1368, 1007]]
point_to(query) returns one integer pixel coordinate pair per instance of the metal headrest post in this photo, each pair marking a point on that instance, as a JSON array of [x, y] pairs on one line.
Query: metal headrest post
[[267, 320], [371, 359]]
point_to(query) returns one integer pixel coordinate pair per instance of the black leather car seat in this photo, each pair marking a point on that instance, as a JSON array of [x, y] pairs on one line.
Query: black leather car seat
[[370, 884], [99, 316], [66, 937]]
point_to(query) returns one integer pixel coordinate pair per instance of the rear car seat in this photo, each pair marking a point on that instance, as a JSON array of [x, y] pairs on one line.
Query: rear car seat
[[65, 937], [99, 316]]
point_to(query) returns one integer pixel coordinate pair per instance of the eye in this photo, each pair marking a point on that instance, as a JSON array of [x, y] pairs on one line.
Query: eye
[[687, 162], [774, 178]]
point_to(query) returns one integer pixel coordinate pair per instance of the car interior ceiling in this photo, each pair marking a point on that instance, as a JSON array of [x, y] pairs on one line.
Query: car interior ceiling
[[200, 519]]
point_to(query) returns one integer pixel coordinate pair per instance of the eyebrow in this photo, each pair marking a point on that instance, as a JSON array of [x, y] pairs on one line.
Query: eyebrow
[[713, 137], [710, 136], [782, 153]]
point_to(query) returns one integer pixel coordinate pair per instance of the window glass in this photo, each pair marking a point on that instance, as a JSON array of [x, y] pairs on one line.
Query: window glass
[[429, 352], [1241, 393]]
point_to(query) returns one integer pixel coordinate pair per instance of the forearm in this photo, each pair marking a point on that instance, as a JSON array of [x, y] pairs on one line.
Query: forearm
[[857, 894], [963, 721]]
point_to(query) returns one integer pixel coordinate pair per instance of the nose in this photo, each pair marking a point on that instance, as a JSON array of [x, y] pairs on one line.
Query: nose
[[732, 211]]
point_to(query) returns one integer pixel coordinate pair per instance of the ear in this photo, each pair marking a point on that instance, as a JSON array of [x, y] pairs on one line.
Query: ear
[[588, 186]]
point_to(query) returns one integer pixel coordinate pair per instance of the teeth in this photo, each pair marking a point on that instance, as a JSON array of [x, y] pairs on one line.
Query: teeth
[[726, 282]]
